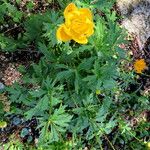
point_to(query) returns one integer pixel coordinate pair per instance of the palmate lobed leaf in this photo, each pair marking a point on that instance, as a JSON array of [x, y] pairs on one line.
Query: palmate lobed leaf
[[103, 110], [56, 124], [61, 118], [39, 109]]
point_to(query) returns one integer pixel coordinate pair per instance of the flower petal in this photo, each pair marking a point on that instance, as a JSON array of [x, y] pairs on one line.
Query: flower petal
[[79, 27], [69, 9], [86, 12], [139, 65], [80, 39], [61, 34], [90, 31]]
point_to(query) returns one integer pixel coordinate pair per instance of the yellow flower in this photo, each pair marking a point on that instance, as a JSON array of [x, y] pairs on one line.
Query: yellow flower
[[3, 124], [147, 145], [98, 92], [140, 65], [78, 25]]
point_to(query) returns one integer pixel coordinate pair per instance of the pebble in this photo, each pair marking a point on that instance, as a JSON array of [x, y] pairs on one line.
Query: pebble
[[2, 86], [16, 121]]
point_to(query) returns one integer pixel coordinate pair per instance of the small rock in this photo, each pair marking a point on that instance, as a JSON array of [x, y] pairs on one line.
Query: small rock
[[24, 132], [16, 121], [2, 86]]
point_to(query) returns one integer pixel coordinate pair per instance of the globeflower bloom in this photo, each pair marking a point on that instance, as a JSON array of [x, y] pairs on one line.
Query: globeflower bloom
[[139, 65], [78, 25]]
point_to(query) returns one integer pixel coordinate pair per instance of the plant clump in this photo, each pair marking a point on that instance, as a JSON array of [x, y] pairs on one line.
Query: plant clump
[[73, 86]]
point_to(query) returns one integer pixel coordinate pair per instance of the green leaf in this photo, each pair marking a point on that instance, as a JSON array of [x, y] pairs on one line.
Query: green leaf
[[110, 125], [37, 93], [39, 109], [56, 125], [86, 64], [109, 84], [64, 75], [55, 101], [47, 53], [103, 111], [60, 117], [18, 93], [76, 82]]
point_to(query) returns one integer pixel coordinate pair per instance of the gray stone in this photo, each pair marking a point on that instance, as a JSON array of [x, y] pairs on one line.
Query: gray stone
[[136, 20], [2, 86]]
